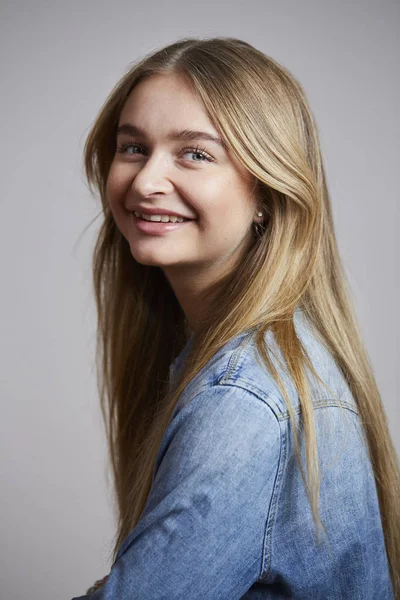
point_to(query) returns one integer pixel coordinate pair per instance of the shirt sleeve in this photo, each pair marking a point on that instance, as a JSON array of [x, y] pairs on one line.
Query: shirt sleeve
[[201, 533]]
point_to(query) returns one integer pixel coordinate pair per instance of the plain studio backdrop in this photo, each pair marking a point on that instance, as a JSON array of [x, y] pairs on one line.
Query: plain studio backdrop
[[59, 62]]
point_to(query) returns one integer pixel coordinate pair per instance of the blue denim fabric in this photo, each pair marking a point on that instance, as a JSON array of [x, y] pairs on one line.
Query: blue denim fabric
[[227, 516]]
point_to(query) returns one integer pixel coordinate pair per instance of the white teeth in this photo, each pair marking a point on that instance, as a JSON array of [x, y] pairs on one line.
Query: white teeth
[[158, 218]]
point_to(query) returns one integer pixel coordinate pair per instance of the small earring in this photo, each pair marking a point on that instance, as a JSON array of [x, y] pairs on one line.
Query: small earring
[[259, 214]]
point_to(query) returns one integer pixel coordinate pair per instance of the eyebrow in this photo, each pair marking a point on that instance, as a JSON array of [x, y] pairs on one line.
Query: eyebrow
[[188, 135]]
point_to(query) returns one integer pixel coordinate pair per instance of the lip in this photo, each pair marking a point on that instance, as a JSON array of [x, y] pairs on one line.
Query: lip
[[155, 227], [157, 211]]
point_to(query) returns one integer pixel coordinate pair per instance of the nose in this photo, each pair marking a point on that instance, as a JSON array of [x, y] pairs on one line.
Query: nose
[[153, 176]]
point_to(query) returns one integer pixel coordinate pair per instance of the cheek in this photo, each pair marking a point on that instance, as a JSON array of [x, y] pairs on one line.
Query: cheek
[[117, 186], [116, 192], [222, 208], [211, 198]]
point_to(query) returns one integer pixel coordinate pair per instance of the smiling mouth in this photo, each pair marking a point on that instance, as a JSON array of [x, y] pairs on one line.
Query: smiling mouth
[[160, 218], [152, 227]]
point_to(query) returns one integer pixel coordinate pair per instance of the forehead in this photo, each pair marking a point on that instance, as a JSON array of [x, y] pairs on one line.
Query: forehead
[[165, 101]]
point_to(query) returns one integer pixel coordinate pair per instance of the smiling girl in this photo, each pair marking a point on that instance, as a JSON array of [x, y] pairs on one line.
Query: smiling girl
[[249, 444]]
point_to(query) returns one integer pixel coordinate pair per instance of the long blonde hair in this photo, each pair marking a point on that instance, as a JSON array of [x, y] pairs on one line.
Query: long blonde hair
[[262, 113]]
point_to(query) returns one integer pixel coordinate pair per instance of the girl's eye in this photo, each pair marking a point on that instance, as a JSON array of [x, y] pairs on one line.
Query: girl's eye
[[123, 149], [199, 152]]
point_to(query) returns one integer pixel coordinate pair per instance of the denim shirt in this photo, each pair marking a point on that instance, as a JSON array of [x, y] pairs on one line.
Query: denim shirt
[[227, 516]]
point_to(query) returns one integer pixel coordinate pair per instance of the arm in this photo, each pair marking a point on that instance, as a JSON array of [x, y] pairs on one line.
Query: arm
[[202, 530]]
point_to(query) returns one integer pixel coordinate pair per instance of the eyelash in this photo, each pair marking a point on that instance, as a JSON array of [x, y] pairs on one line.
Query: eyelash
[[198, 150]]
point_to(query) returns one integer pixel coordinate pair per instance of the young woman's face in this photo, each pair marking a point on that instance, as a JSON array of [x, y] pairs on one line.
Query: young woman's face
[[153, 170]]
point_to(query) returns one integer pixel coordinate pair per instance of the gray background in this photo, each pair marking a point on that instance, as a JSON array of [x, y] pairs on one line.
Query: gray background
[[59, 62]]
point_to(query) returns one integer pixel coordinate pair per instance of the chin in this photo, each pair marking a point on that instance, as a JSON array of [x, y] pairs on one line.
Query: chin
[[150, 260]]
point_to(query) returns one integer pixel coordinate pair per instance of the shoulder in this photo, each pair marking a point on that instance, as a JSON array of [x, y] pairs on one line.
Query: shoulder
[[239, 365]]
